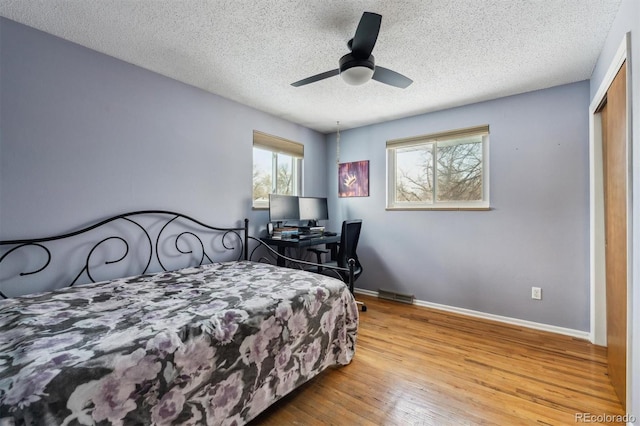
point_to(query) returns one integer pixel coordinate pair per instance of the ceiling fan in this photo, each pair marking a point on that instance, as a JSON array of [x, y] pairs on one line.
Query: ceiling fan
[[359, 66]]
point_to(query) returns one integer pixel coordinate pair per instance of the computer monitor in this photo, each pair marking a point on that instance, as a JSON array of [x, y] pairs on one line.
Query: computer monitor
[[283, 208], [313, 209]]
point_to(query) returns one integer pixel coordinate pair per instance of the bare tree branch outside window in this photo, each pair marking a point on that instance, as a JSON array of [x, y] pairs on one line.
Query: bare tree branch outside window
[[284, 180], [455, 166], [460, 172], [261, 184], [414, 179], [263, 176]]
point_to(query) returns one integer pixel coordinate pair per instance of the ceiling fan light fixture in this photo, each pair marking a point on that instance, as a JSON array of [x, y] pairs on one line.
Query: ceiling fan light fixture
[[356, 71], [355, 76]]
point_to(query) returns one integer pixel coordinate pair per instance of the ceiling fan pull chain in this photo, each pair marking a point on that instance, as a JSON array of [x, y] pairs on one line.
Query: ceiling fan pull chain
[[338, 143]]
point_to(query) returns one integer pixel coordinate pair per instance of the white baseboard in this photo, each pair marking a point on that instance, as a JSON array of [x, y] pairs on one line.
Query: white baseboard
[[507, 320]]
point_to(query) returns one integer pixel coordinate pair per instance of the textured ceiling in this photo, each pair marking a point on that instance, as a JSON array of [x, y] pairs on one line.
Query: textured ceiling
[[456, 51]]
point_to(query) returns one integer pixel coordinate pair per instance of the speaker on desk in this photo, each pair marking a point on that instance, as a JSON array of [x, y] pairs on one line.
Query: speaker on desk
[[270, 229]]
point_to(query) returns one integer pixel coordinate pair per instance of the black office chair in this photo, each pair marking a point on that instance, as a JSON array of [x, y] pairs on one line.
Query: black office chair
[[349, 238]]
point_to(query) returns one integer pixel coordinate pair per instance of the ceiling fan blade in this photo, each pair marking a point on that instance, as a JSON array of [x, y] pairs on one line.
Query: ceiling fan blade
[[366, 35], [392, 78], [316, 77]]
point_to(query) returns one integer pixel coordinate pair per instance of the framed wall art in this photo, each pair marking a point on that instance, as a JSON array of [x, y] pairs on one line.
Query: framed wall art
[[353, 179]]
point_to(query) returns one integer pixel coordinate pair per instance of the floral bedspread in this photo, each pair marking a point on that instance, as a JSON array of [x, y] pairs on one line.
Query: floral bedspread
[[215, 344]]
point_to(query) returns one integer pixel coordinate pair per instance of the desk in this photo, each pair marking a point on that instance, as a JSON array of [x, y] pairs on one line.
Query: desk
[[282, 244]]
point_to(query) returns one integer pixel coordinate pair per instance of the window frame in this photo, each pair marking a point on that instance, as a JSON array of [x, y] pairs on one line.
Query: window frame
[[444, 138], [278, 146]]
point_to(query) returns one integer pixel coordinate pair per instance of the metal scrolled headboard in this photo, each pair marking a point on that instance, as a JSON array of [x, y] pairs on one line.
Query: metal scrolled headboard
[[146, 234]]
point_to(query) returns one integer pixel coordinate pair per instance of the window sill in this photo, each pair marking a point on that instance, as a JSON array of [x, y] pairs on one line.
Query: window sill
[[441, 208]]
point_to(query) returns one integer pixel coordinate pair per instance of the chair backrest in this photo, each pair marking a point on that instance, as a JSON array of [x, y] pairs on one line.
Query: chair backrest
[[349, 243]]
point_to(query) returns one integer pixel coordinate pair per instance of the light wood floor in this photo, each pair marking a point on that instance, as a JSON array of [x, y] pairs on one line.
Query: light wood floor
[[418, 366]]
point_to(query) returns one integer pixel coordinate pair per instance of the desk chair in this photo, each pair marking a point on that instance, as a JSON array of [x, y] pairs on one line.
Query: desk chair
[[346, 250]]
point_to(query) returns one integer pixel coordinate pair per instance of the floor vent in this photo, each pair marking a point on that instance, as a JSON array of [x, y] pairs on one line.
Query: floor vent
[[396, 297]]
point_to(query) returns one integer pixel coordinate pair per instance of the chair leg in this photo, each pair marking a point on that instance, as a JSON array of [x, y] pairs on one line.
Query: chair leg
[[318, 253], [363, 307]]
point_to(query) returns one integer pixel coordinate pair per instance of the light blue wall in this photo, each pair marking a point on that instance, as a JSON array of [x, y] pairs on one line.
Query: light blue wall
[[85, 136], [628, 20], [535, 235]]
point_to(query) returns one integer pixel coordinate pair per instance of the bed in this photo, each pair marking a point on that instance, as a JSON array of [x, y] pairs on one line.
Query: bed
[[216, 342]]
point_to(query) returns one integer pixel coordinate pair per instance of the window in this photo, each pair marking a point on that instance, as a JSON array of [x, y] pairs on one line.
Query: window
[[277, 167], [448, 170]]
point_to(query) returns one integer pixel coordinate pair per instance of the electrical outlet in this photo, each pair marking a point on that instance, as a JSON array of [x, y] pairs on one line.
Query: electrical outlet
[[536, 293]]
